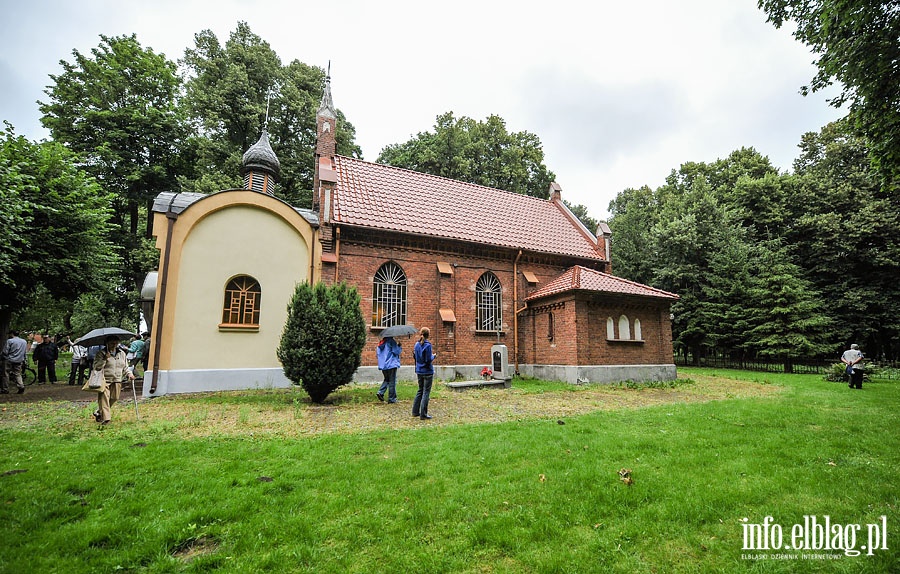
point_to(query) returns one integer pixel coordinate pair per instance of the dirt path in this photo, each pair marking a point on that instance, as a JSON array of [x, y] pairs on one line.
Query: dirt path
[[288, 413]]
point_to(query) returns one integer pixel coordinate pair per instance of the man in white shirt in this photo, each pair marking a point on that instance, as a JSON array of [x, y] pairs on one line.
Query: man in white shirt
[[853, 357]]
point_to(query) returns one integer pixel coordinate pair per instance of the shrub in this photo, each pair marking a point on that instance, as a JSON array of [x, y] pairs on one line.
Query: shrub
[[836, 373], [322, 341]]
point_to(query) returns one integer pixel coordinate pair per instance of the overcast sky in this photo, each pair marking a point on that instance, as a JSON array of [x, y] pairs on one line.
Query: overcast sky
[[619, 92]]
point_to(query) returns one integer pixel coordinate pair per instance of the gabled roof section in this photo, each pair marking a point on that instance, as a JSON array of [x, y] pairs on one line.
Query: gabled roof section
[[395, 199], [174, 202], [580, 278]]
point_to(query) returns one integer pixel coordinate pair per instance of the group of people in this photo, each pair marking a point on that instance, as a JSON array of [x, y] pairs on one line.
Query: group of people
[[388, 353], [44, 352], [115, 361]]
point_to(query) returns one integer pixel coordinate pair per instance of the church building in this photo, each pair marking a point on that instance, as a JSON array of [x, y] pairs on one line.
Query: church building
[[476, 265]]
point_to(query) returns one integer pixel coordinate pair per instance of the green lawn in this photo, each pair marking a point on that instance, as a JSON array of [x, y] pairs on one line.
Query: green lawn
[[526, 496]]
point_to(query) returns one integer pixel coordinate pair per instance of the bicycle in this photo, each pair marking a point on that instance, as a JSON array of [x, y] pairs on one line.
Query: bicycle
[[29, 375]]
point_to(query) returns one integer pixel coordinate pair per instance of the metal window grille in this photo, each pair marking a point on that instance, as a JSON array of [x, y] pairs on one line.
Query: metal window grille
[[488, 315], [242, 299], [389, 296]]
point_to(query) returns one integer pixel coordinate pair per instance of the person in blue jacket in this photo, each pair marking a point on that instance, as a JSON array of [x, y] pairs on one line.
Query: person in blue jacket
[[388, 353], [425, 371]]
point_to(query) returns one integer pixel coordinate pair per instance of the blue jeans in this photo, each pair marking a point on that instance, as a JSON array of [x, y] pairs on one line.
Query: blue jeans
[[420, 404], [389, 384]]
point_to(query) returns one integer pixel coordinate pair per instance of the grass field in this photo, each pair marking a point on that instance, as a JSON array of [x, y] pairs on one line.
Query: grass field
[[519, 480]]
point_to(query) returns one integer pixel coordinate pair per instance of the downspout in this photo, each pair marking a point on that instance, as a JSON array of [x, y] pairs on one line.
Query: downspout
[[516, 311], [337, 251], [171, 216], [312, 256]]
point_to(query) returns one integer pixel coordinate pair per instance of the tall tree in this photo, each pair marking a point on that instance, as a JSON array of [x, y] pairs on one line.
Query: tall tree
[[786, 318], [634, 212], [54, 225], [230, 89], [858, 44], [116, 109], [691, 228], [845, 234], [484, 153]]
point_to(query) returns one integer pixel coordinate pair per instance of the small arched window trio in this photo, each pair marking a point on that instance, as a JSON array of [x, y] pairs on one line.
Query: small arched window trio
[[625, 331], [389, 290]]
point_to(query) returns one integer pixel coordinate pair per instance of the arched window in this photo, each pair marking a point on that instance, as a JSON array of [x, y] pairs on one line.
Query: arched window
[[389, 296], [488, 307], [624, 328], [610, 328], [242, 300], [550, 326], [637, 330]]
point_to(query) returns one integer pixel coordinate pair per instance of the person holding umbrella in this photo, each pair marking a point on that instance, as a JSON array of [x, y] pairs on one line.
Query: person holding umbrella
[[388, 352], [114, 365]]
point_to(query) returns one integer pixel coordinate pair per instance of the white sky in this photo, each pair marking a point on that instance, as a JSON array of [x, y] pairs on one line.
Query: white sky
[[619, 92]]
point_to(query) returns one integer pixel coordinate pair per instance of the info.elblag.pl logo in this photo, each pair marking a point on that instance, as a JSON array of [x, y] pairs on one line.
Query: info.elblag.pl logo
[[814, 534]]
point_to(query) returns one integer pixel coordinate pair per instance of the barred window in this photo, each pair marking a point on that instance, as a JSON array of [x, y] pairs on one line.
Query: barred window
[[242, 299], [389, 296], [487, 303]]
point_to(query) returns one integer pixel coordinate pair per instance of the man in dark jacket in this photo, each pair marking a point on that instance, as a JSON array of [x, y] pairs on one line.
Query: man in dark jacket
[[45, 355]]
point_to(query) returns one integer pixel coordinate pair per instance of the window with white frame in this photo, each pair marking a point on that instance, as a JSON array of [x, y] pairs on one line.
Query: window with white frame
[[637, 330], [389, 296], [488, 306]]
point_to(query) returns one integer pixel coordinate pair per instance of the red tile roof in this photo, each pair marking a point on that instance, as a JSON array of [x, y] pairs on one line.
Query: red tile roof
[[584, 279], [386, 197]]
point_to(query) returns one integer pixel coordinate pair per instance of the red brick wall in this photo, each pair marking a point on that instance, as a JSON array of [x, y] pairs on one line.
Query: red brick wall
[[586, 316], [427, 292], [579, 325]]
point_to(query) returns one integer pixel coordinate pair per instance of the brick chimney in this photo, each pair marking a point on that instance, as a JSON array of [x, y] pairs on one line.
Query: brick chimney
[[555, 191]]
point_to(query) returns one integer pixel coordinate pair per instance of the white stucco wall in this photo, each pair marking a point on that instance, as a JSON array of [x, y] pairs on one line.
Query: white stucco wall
[[239, 240]]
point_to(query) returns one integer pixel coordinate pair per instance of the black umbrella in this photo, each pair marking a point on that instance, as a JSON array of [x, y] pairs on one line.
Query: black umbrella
[[98, 336], [399, 330]]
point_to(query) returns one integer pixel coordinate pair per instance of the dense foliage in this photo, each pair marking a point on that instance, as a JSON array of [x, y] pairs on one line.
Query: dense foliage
[[230, 91], [139, 129], [767, 264], [323, 338], [858, 43], [116, 109], [54, 227]]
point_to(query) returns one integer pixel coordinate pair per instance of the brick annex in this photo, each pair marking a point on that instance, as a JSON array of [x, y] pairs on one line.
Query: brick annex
[[474, 264]]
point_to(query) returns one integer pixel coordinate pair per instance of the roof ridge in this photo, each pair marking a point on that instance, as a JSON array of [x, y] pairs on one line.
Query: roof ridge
[[629, 281], [441, 177]]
